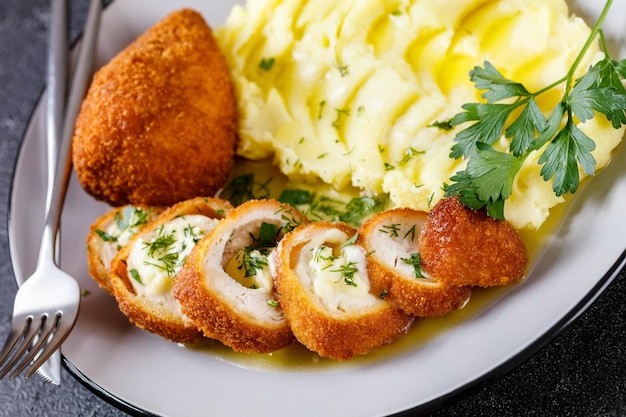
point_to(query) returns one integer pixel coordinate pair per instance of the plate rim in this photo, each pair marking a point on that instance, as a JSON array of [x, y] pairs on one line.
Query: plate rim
[[437, 403], [456, 394]]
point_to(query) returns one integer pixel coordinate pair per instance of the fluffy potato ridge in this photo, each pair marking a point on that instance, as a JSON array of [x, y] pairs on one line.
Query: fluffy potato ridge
[[158, 123]]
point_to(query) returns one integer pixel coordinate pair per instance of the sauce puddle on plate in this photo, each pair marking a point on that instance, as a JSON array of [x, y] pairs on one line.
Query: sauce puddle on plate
[[264, 181], [296, 357]]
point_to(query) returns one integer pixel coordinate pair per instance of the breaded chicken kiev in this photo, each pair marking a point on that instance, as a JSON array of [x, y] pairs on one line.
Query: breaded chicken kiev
[[110, 233], [324, 289], [158, 123], [144, 271], [461, 246], [227, 286], [394, 267]]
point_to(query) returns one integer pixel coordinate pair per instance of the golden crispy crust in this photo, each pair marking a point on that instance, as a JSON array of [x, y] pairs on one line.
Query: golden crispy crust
[[158, 124], [213, 207], [100, 253], [224, 309], [330, 334], [399, 230], [461, 247], [145, 316], [153, 315], [218, 319]]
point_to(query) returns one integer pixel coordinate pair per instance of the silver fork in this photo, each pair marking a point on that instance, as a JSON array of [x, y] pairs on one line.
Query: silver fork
[[56, 86], [47, 304]]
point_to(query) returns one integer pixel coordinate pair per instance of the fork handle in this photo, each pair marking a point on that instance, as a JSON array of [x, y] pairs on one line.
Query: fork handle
[[59, 185], [56, 80]]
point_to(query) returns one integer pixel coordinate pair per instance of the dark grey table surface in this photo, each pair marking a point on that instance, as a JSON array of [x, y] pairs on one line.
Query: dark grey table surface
[[581, 372]]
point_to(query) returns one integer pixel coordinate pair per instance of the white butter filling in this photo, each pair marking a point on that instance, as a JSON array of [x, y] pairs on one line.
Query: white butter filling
[[334, 272], [120, 230], [155, 259]]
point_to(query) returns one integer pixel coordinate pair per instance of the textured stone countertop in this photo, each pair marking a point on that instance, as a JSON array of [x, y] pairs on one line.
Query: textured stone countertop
[[581, 372]]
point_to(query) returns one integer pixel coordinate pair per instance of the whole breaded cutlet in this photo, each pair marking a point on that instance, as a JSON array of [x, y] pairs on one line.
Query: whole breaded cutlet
[[158, 124]]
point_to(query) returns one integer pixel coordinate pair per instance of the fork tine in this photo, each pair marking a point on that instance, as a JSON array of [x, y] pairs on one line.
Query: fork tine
[[12, 339], [48, 326], [27, 336], [53, 344]]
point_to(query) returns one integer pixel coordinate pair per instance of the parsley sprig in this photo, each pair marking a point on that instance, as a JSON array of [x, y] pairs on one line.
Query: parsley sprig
[[253, 258], [128, 220], [315, 206], [161, 249], [511, 110], [415, 261], [348, 273], [251, 261], [320, 207], [243, 188]]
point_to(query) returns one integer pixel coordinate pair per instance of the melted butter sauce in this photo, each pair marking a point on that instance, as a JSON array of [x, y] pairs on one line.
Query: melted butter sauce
[[296, 357], [420, 332]]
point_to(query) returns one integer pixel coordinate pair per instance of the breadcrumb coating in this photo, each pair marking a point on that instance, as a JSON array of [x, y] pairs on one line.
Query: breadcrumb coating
[[460, 246], [240, 317], [390, 257], [101, 250], [160, 314], [334, 333], [158, 123]]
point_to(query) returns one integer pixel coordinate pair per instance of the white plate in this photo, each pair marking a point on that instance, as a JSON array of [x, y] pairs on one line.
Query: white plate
[[143, 374]]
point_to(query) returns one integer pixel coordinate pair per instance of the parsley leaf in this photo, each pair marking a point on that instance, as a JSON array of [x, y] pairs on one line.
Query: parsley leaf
[[134, 274], [490, 120], [415, 260], [497, 87], [597, 90], [487, 181], [561, 158], [295, 197], [243, 188], [268, 234], [522, 130], [266, 64], [441, 124], [488, 178]]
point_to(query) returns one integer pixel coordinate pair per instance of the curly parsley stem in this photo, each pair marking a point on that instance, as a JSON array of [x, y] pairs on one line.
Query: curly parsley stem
[[488, 178], [595, 31], [590, 40]]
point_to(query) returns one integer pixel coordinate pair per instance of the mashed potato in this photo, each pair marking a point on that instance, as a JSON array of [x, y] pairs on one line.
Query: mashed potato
[[344, 91]]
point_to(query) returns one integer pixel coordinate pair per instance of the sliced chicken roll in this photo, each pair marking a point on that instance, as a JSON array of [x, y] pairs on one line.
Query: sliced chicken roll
[[324, 289], [391, 239], [110, 233], [144, 271], [227, 285]]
